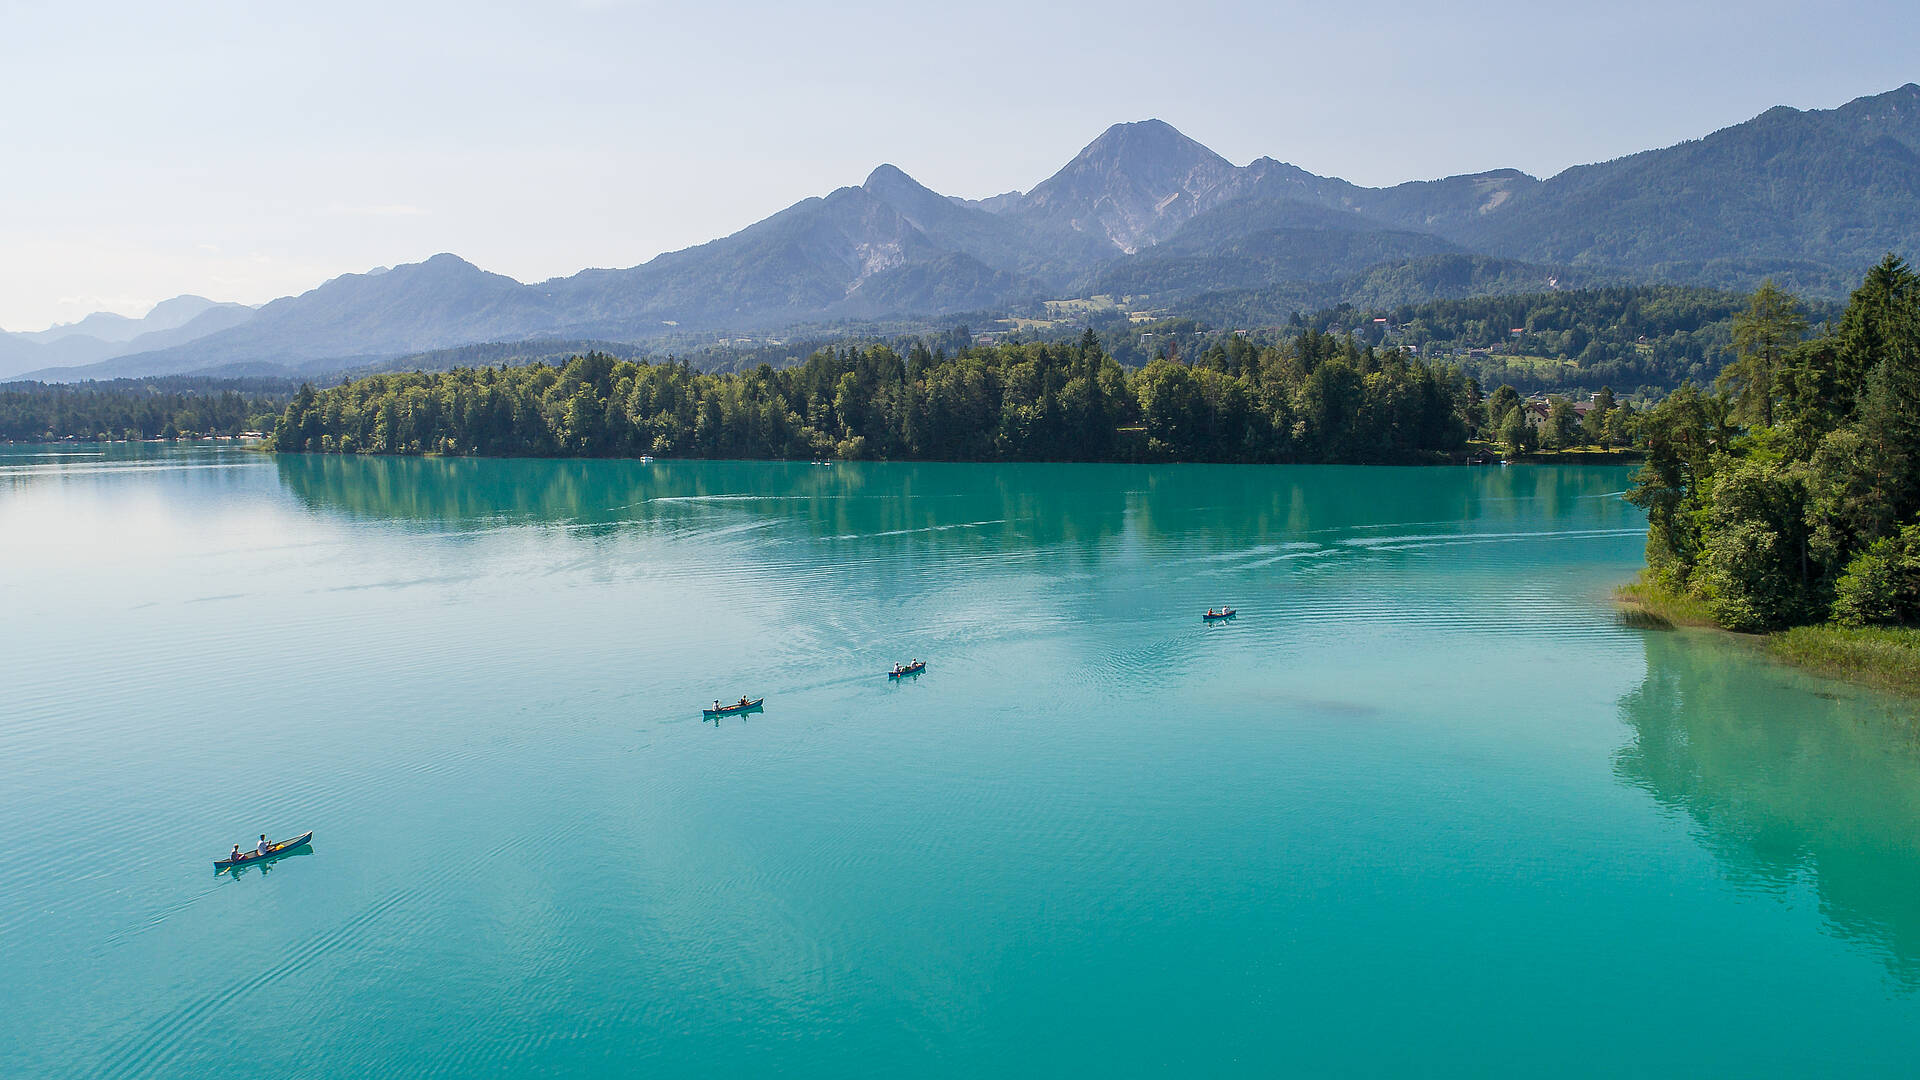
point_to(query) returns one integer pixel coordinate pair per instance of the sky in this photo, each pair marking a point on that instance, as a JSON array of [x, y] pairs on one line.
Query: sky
[[245, 151]]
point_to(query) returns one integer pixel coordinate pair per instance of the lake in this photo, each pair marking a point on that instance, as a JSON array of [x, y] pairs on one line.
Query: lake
[[1425, 806]]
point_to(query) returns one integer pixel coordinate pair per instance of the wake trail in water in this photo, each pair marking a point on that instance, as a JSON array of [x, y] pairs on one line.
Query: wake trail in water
[[153, 1049]]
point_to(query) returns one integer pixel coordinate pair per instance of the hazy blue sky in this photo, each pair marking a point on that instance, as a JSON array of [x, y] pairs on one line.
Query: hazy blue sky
[[248, 150]]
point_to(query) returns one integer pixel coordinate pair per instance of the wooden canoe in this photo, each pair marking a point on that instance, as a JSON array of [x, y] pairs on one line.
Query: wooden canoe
[[280, 848]]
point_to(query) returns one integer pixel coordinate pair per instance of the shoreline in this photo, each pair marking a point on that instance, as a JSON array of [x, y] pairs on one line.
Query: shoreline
[[1884, 658]]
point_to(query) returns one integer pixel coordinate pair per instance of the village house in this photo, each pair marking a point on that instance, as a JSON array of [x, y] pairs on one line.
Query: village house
[[1537, 408]]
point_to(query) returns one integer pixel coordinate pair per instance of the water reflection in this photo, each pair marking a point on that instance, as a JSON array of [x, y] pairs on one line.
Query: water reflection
[[24, 466], [1790, 781], [1213, 508]]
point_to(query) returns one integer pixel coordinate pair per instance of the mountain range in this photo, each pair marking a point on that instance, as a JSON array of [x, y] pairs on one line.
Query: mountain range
[[103, 334], [1144, 214]]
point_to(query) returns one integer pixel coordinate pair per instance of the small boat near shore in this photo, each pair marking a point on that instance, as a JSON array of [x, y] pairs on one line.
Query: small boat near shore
[[744, 705], [914, 668], [274, 851]]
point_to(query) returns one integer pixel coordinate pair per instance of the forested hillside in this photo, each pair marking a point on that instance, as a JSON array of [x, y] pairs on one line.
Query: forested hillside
[[1648, 338], [1386, 286], [1809, 198]]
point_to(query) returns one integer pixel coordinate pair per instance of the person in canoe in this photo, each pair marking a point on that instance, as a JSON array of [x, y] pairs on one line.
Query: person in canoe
[[264, 846], [236, 853], [743, 702]]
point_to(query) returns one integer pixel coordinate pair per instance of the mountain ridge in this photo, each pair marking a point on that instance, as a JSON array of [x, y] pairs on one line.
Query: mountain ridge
[[1146, 213], [103, 335]]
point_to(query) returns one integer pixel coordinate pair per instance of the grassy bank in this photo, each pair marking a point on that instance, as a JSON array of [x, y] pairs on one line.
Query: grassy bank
[[1883, 657], [1572, 455], [1644, 603], [1582, 455]]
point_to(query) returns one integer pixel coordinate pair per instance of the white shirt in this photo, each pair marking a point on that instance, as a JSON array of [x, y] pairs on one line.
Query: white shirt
[[262, 849]]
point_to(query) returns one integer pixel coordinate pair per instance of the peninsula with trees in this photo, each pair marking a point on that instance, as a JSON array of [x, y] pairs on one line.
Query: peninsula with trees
[[1785, 498]]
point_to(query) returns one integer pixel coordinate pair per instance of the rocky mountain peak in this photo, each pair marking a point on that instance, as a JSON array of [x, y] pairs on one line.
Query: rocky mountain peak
[[1133, 185]]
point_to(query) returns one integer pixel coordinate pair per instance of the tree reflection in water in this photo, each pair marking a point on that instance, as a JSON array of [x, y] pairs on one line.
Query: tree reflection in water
[[1790, 780]]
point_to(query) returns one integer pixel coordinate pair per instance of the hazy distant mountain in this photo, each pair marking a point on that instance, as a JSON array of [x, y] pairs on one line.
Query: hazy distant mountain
[[1146, 213], [103, 334], [20, 353], [106, 326], [210, 320], [407, 309]]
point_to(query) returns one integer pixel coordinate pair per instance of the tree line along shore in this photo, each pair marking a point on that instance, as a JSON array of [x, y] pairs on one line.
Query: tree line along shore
[[1313, 399]]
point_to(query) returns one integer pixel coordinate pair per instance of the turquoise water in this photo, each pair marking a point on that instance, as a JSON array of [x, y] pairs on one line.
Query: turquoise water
[[1424, 807]]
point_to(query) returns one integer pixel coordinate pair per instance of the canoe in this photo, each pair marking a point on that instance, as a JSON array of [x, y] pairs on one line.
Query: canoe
[[910, 669], [1212, 615], [750, 706], [280, 848]]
